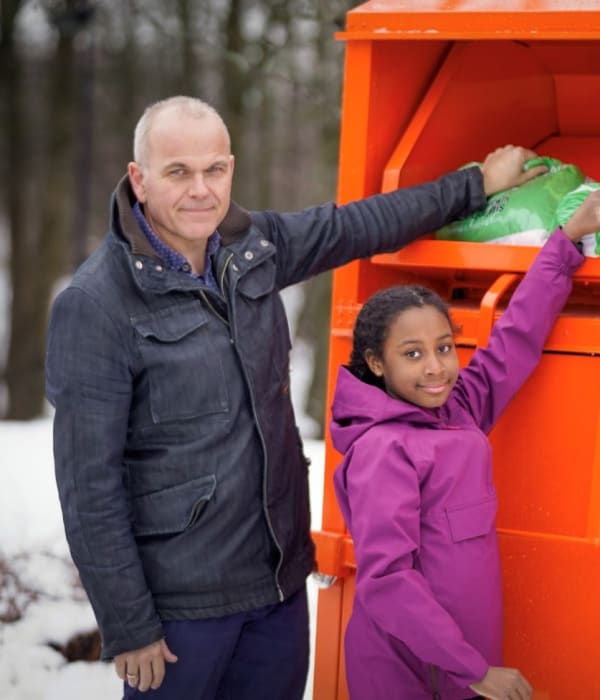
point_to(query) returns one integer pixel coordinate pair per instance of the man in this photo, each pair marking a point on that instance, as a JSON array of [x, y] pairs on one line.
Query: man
[[180, 470]]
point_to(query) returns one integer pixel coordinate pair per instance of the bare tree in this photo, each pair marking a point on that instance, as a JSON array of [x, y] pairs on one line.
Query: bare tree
[[14, 149], [40, 248]]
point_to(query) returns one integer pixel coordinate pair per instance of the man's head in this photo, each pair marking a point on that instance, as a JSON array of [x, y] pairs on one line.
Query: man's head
[[182, 171]]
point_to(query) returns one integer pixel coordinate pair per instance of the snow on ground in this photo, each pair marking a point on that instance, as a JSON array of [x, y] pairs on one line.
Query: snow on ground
[[32, 541]]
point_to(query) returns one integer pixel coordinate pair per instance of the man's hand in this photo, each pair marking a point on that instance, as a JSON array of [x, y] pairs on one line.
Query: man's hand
[[503, 168], [501, 683], [144, 668]]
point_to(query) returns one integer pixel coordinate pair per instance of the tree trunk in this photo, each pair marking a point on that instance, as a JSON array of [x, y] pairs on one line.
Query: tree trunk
[[39, 257], [13, 171]]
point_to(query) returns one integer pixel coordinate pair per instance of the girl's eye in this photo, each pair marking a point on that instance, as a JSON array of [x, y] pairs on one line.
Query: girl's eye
[[446, 348], [413, 354]]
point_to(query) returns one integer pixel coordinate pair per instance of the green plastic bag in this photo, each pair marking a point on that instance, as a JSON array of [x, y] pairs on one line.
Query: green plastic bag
[[567, 207], [528, 208]]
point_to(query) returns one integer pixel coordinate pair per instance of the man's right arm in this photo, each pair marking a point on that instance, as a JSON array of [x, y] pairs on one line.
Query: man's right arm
[[89, 384]]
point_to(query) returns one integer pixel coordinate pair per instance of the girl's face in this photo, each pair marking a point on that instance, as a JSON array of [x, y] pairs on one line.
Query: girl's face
[[419, 362]]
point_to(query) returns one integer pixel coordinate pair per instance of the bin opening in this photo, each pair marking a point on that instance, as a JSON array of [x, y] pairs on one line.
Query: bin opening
[[537, 94]]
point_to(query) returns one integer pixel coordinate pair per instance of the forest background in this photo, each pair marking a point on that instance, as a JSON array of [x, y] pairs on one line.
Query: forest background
[[75, 75]]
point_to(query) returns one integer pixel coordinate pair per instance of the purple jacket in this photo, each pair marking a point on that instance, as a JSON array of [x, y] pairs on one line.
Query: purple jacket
[[416, 491]]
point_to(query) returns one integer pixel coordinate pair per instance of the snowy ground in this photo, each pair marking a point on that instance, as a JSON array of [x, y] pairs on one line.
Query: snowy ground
[[33, 542]]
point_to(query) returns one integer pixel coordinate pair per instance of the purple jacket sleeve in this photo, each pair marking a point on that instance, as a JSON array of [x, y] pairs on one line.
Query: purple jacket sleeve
[[496, 373], [396, 595]]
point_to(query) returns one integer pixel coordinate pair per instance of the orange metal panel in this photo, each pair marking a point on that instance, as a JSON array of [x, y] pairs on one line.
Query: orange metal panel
[[328, 669], [545, 451], [593, 525], [474, 19], [463, 256], [579, 107], [379, 111], [552, 611], [580, 150]]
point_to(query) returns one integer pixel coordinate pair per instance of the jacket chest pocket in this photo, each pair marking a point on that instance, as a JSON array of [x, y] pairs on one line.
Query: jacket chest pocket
[[262, 319], [181, 356]]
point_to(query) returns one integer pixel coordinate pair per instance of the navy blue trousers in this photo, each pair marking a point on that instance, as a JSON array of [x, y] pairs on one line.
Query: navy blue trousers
[[256, 655]]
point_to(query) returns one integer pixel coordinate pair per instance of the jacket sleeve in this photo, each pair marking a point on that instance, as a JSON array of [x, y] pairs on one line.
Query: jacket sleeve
[[384, 502], [496, 373], [321, 238], [90, 427]]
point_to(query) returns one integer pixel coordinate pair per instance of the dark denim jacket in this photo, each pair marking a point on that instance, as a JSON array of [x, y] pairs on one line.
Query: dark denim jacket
[[179, 466]]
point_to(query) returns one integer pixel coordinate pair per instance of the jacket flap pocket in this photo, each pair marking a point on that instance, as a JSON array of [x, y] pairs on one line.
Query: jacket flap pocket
[[258, 282], [171, 324], [173, 509], [473, 519]]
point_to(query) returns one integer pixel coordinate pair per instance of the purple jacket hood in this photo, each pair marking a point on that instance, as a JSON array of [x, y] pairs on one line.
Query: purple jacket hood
[[357, 407]]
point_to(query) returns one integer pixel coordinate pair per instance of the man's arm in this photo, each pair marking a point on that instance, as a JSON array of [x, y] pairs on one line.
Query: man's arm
[[89, 383], [321, 238]]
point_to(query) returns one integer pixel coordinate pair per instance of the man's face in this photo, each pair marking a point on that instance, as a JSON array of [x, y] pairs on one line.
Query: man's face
[[185, 180]]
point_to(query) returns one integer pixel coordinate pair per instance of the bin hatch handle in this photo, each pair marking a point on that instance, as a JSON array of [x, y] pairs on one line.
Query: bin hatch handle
[[487, 309], [334, 554]]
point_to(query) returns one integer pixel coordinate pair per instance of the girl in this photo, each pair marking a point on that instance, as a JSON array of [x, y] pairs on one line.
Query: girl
[[415, 486]]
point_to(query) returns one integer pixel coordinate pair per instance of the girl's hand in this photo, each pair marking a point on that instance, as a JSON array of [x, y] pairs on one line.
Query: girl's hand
[[586, 219], [501, 683]]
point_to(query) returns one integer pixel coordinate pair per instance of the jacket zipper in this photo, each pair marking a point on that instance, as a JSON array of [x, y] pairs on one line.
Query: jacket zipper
[[222, 287], [258, 430], [207, 301], [222, 276]]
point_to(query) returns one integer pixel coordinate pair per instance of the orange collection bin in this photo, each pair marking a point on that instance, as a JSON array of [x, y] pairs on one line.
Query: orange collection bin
[[430, 85]]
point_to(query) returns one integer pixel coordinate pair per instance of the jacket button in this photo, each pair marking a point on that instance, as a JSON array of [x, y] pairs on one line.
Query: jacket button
[[249, 255], [158, 268], [264, 243], [139, 264]]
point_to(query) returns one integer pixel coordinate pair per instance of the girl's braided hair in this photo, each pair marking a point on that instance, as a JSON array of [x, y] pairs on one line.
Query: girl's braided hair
[[374, 320]]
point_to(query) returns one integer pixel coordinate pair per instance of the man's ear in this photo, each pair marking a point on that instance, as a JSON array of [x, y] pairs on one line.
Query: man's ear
[[374, 363], [136, 179]]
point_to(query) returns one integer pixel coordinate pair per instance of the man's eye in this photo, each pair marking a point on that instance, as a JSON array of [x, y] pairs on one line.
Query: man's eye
[[176, 172]]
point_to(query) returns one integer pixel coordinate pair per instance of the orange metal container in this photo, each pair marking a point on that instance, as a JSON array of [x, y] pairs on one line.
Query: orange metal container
[[430, 85]]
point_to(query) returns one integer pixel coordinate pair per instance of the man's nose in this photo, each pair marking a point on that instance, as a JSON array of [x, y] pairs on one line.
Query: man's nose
[[198, 187]]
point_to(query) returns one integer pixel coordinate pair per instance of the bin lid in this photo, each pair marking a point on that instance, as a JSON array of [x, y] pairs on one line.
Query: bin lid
[[474, 19]]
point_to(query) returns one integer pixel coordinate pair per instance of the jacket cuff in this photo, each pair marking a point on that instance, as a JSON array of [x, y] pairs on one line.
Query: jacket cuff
[[477, 198]]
